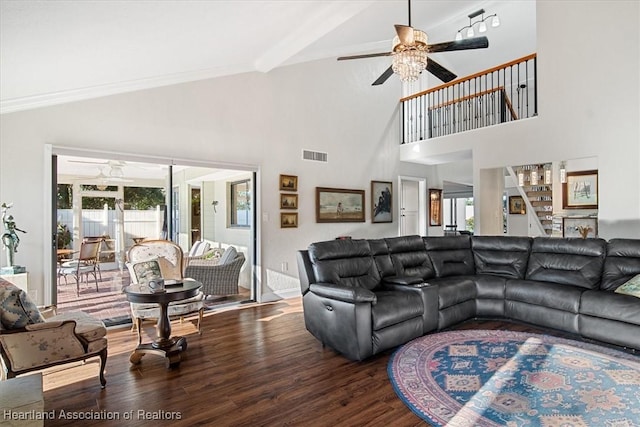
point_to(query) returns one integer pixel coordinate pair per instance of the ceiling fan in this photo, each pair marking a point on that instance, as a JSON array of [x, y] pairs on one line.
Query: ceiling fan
[[410, 52]]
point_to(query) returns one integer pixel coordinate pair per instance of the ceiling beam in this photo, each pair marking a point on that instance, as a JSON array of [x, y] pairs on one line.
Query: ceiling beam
[[307, 31]]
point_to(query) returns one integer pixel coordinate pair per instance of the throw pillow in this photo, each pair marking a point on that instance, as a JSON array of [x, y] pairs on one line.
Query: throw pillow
[[146, 270], [631, 287], [195, 248], [229, 255], [17, 310]]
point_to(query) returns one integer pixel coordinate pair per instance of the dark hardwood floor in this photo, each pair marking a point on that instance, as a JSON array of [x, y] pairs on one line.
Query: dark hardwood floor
[[255, 365]]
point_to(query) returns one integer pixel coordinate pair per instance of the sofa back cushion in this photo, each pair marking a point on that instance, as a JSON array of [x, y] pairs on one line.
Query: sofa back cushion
[[622, 262], [450, 255], [505, 256], [344, 262], [576, 262], [409, 257], [381, 257]]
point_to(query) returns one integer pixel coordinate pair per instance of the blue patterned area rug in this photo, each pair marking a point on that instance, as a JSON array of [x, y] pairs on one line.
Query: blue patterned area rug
[[504, 378]]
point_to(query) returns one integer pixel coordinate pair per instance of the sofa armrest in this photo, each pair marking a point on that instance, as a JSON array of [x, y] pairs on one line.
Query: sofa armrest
[[343, 293], [34, 346]]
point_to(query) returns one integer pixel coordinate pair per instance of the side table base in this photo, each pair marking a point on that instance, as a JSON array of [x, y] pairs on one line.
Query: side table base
[[171, 352]]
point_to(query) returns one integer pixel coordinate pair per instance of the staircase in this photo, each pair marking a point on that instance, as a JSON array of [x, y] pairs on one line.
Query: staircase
[[535, 186]]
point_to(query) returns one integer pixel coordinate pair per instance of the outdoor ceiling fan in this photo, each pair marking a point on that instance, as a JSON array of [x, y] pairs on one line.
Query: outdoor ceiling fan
[[410, 54]]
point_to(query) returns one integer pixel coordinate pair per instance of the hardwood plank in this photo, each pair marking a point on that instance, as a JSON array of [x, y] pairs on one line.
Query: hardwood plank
[[252, 365]]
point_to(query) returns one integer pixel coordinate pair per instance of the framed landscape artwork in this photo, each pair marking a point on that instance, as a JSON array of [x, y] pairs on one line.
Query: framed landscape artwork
[[581, 190], [288, 183], [381, 201], [339, 205], [288, 201], [517, 206], [288, 219]]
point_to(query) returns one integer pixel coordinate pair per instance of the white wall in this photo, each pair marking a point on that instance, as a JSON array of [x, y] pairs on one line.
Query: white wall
[[589, 107], [252, 120]]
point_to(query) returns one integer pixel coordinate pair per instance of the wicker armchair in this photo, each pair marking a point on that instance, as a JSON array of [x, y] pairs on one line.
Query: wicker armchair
[[217, 276]]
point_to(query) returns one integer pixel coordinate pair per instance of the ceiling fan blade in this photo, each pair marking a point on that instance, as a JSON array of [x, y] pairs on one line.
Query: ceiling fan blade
[[405, 34], [439, 71], [473, 43], [366, 55], [383, 78]]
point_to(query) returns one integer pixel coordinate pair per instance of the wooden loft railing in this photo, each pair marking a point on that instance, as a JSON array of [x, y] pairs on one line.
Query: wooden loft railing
[[500, 94]]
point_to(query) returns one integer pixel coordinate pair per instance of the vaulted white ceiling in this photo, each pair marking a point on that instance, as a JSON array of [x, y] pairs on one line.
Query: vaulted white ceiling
[[59, 51]]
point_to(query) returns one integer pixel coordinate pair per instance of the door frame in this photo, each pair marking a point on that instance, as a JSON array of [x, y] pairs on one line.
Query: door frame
[[49, 219], [422, 202]]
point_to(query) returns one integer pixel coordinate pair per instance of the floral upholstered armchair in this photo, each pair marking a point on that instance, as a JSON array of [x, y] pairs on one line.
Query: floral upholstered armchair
[[28, 342], [168, 256]]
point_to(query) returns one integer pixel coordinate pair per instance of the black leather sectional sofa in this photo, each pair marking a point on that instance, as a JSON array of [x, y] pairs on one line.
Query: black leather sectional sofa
[[361, 297]]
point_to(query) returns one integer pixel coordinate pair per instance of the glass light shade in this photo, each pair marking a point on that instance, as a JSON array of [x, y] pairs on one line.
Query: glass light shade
[[470, 32], [458, 36], [495, 22], [409, 61], [482, 28]]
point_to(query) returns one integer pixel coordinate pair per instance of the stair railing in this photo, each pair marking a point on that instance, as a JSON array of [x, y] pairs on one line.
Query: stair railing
[[498, 95]]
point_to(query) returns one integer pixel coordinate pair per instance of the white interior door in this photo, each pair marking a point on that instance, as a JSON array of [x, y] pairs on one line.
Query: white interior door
[[409, 208]]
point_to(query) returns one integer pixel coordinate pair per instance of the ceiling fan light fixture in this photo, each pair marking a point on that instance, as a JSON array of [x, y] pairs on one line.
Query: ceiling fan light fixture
[[409, 61]]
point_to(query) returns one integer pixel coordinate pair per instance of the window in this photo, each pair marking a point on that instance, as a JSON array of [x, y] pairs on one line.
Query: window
[[240, 203]]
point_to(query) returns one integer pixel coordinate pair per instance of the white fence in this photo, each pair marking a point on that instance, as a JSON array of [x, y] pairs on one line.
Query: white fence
[[99, 222]]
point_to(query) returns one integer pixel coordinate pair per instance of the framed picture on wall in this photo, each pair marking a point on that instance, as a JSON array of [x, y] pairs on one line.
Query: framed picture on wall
[[435, 207], [584, 227], [381, 201], [517, 206], [339, 205], [288, 201], [581, 190], [288, 183], [288, 219]]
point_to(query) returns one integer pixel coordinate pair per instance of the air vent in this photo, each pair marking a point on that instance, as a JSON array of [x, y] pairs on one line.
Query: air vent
[[314, 156]]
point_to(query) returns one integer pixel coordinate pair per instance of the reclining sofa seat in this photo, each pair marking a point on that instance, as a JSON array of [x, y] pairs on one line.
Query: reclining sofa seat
[[403, 261], [454, 266], [347, 307], [608, 316], [558, 272], [497, 259]]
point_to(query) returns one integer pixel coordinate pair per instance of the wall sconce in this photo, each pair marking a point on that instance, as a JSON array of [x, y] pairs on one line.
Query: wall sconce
[[495, 22], [215, 204]]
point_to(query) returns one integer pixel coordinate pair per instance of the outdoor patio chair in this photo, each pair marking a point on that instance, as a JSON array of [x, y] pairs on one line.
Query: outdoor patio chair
[[169, 257], [84, 265]]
